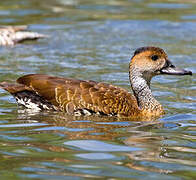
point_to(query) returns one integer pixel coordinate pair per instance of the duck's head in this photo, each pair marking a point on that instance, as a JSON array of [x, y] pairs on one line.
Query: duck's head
[[152, 61]]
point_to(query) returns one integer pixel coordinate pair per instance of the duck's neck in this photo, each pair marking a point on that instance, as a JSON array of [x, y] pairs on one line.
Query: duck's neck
[[141, 89]]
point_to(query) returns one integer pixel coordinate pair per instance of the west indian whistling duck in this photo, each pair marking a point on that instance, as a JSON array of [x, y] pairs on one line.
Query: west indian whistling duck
[[10, 35], [79, 97]]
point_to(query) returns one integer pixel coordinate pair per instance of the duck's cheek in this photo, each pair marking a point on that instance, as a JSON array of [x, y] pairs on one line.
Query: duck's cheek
[[157, 69], [161, 63]]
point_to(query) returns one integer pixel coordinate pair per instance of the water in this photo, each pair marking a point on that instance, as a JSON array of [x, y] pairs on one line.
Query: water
[[95, 40]]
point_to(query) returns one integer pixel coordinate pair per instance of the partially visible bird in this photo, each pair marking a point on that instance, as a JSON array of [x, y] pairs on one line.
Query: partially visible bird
[[10, 35]]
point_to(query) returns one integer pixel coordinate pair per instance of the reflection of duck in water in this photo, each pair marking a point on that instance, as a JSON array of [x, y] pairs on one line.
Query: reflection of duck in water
[[10, 35], [88, 127], [88, 97]]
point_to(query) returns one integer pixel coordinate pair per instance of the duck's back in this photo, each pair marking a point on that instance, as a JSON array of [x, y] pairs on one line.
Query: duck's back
[[75, 96]]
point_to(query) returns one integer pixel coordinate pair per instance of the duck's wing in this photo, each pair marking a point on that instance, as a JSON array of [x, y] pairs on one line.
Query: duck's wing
[[71, 95], [10, 35]]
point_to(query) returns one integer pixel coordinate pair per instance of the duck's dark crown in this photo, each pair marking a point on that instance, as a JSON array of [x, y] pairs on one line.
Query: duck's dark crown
[[148, 48]]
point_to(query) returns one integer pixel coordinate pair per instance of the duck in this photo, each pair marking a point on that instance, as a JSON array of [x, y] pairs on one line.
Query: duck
[[87, 97], [11, 35]]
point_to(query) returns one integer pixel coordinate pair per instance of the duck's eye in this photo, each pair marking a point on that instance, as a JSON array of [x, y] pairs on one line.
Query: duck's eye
[[154, 57]]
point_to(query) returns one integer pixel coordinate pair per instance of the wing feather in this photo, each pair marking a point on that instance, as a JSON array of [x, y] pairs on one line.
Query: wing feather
[[72, 94]]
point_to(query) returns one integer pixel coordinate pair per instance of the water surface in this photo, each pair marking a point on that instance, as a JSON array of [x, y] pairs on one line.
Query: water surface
[[95, 40]]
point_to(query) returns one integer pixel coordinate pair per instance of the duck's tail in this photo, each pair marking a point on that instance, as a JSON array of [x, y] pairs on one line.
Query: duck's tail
[[26, 97], [12, 88]]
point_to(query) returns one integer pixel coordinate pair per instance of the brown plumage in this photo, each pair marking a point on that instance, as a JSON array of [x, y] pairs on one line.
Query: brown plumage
[[10, 35], [86, 97]]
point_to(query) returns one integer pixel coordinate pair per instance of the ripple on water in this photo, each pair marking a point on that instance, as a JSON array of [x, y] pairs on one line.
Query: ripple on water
[[95, 40], [169, 5], [99, 146]]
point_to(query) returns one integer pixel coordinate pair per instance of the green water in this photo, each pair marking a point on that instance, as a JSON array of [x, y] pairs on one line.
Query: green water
[[95, 40]]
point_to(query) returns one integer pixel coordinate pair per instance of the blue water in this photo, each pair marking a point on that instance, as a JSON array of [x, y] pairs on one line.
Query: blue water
[[95, 40]]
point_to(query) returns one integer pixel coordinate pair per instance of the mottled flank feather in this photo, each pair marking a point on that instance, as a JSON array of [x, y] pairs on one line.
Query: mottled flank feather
[[31, 100], [10, 35], [72, 96]]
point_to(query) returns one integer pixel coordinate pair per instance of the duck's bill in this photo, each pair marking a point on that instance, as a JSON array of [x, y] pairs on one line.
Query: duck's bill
[[175, 71], [170, 69]]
